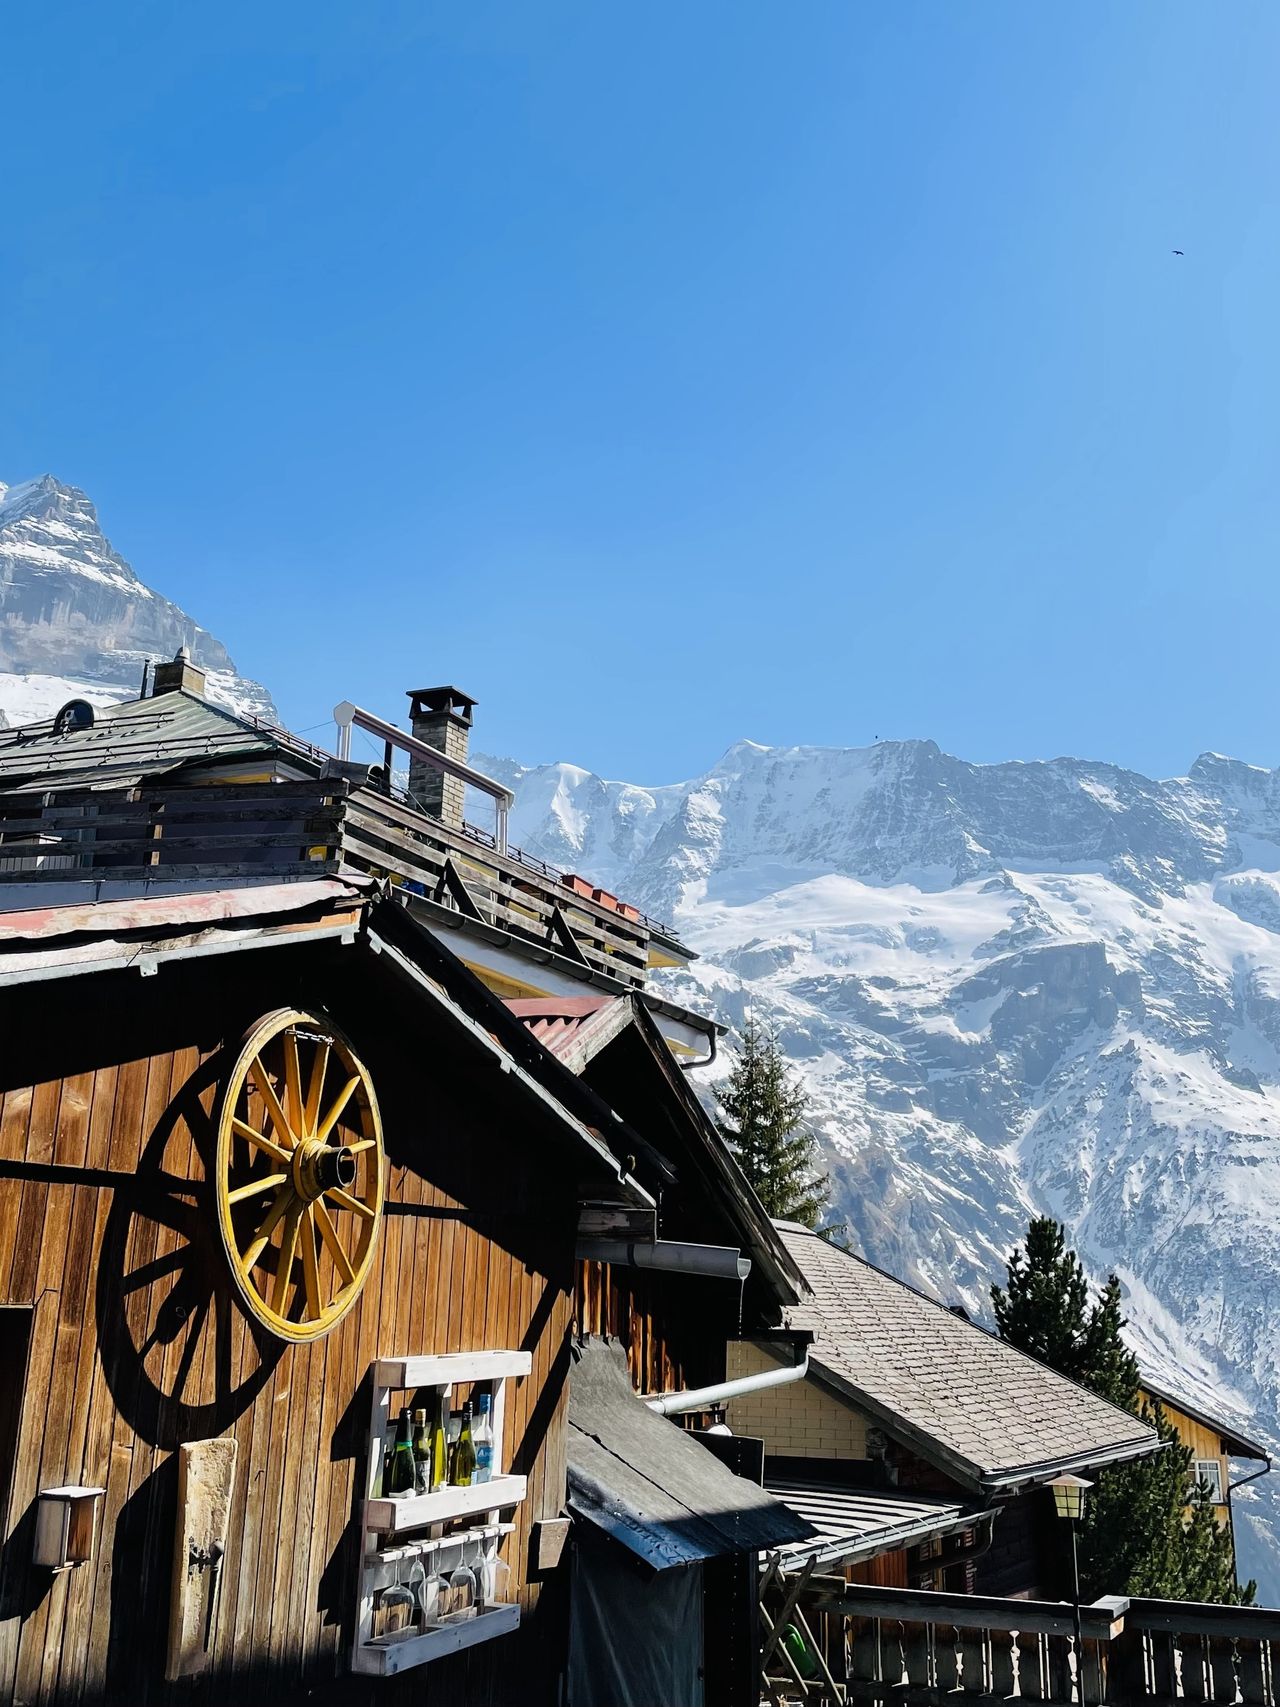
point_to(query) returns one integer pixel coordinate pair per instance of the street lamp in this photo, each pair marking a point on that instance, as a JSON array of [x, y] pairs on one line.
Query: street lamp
[[1068, 1502]]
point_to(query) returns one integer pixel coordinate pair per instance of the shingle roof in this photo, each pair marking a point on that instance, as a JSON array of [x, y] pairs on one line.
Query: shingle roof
[[960, 1396], [145, 737]]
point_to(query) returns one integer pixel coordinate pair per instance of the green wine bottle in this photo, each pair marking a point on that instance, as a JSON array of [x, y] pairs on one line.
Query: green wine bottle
[[464, 1462], [400, 1472]]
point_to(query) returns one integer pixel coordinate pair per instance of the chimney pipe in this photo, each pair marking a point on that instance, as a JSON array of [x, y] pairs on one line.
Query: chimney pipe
[[440, 717]]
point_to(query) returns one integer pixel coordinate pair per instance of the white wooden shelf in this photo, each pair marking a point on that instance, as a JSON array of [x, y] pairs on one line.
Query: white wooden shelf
[[414, 1511], [451, 1368], [387, 1655]]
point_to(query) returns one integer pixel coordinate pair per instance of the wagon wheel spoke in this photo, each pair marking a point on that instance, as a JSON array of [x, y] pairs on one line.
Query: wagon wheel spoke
[[310, 1264], [315, 1089], [254, 1187], [293, 1085], [344, 1200], [259, 1076], [363, 1144], [335, 1113], [270, 1221], [288, 1249], [259, 1138], [333, 1243]]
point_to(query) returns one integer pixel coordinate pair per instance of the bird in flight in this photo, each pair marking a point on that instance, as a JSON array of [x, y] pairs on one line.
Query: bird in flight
[[1177, 251]]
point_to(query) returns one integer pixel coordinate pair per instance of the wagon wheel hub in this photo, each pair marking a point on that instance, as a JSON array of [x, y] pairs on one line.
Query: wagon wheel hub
[[299, 1174], [318, 1168]]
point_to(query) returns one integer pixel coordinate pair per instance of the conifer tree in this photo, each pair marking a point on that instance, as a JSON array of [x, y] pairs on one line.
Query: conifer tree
[[1146, 1530], [763, 1112]]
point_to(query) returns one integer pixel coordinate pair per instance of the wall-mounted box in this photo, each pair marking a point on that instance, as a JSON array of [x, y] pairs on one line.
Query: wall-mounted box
[[66, 1522]]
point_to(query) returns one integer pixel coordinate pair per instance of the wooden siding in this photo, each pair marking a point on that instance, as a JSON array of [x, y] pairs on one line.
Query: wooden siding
[[660, 1318], [107, 1234]]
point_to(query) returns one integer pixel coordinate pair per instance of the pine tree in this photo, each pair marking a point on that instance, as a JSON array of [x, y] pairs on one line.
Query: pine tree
[[763, 1124], [1146, 1529]]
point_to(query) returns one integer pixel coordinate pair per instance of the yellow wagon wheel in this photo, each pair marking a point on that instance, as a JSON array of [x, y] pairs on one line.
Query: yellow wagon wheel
[[299, 1173]]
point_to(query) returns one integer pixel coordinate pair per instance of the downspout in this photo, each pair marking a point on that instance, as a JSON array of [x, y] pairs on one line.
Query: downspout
[[1231, 1512], [703, 1398]]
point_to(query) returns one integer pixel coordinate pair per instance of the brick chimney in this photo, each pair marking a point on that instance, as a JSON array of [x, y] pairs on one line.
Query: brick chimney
[[442, 718], [179, 673]]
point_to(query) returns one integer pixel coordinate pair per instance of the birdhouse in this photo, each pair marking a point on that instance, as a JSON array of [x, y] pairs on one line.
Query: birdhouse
[[66, 1519]]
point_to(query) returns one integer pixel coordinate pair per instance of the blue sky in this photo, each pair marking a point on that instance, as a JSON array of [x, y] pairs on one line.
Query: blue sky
[[665, 375]]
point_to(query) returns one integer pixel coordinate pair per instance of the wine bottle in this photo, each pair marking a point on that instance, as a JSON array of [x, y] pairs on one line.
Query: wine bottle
[[439, 1468], [400, 1475], [464, 1458], [421, 1454], [482, 1437], [453, 1428]]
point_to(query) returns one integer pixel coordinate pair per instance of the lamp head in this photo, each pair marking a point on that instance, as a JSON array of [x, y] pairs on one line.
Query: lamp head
[[1068, 1495]]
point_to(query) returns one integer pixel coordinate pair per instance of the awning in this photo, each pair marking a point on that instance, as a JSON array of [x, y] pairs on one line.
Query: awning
[[650, 1486], [857, 1523]]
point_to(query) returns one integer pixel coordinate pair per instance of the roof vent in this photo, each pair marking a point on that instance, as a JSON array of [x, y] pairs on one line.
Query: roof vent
[[75, 714]]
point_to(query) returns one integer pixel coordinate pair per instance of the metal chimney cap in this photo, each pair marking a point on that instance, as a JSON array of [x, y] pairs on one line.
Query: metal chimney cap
[[448, 700]]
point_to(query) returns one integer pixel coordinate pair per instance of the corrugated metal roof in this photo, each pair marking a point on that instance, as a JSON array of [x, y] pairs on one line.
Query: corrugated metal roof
[[570, 1026], [651, 1486], [146, 737], [858, 1523], [988, 1412]]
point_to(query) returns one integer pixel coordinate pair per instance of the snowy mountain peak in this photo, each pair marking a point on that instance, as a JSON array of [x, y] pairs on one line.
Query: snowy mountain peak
[[1008, 988], [75, 618]]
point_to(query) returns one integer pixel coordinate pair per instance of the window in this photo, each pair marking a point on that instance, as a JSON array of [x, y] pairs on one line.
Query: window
[[1210, 1470]]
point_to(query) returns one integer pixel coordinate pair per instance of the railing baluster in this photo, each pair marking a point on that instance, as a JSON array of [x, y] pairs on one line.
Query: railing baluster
[[1060, 1678], [973, 1659], [1252, 1673], [1003, 1647], [946, 1657], [1033, 1684], [1164, 1678], [1223, 1660], [1195, 1673], [918, 1657], [865, 1668]]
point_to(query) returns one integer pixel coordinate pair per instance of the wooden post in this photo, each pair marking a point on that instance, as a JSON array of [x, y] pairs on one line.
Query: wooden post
[[1195, 1675], [1032, 1683], [1253, 1673], [946, 1657], [1164, 1676], [1222, 1668]]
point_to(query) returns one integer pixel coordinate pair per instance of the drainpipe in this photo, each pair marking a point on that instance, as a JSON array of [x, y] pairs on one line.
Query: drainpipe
[[703, 1398], [721, 1261]]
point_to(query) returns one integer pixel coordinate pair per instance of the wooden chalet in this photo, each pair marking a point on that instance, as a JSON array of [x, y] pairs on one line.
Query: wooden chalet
[[1214, 1443], [276, 1159]]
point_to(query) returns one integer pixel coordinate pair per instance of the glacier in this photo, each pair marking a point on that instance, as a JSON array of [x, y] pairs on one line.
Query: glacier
[[1008, 989]]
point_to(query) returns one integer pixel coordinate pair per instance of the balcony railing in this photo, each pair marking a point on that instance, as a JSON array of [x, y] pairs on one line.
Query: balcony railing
[[885, 1645], [255, 831]]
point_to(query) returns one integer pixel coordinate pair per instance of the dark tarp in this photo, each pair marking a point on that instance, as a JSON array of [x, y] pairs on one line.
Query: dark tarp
[[644, 1481], [635, 1637]]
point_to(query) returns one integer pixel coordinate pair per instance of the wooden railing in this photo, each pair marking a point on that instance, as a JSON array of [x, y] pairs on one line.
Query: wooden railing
[[314, 827], [883, 1645]]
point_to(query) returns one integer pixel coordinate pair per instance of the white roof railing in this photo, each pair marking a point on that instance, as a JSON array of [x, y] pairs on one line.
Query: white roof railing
[[347, 716]]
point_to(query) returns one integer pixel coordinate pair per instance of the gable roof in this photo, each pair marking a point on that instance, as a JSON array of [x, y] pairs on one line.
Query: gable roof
[[142, 738], [580, 1031], [988, 1414], [1237, 1445]]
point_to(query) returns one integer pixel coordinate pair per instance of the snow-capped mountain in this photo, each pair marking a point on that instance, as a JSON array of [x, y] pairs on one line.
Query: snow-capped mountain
[[1008, 988], [76, 620]]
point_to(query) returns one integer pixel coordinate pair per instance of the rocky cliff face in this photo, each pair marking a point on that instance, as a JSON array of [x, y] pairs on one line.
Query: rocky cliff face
[[74, 618], [1008, 988]]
